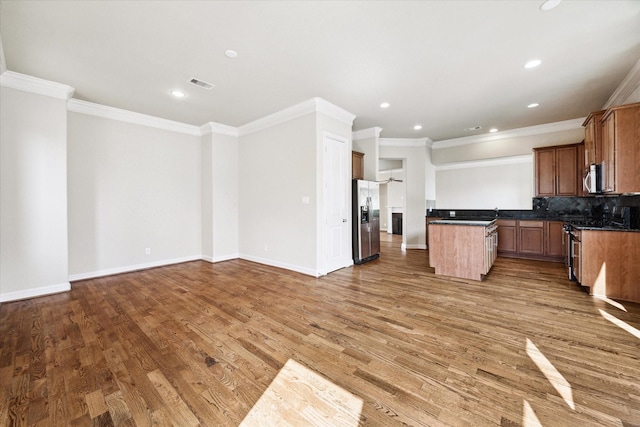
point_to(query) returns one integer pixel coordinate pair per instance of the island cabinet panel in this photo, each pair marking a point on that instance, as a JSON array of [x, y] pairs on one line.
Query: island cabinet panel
[[427, 221], [531, 237], [610, 264], [507, 237], [461, 251]]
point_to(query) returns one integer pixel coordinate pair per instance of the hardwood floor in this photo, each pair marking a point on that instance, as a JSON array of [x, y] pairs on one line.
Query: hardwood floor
[[199, 344]]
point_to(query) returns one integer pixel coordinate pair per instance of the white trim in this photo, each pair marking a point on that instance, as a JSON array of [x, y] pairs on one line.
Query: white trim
[[98, 110], [218, 128], [3, 61], [307, 107], [416, 246], [220, 258], [35, 292], [405, 142], [32, 84], [626, 88], [130, 268], [366, 133], [272, 263], [513, 133], [333, 111], [500, 161]]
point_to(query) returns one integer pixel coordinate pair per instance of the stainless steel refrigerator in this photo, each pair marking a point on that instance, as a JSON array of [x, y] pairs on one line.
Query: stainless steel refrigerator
[[366, 220]]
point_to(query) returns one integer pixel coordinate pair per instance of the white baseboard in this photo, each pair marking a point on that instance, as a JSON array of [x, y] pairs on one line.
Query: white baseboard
[[35, 292], [220, 258], [129, 268], [418, 246], [272, 263]]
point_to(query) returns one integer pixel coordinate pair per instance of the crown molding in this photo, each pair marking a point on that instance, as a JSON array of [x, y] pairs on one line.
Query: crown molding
[[405, 142], [218, 128], [511, 160], [36, 85], [313, 105], [98, 110], [565, 125], [629, 84], [366, 133], [333, 111]]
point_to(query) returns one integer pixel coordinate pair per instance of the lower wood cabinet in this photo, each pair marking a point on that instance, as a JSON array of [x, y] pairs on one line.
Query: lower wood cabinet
[[609, 265], [536, 239], [427, 221]]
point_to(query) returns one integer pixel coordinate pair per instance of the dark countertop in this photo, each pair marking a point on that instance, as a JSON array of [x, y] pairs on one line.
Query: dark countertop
[[459, 221]]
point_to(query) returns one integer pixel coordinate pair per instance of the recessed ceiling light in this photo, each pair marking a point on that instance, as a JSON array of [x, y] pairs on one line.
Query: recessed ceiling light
[[549, 4], [492, 130], [533, 63], [384, 105], [178, 93], [417, 127], [231, 53], [534, 105]]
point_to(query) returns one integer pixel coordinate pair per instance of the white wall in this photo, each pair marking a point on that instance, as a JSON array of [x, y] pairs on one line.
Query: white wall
[[495, 170], [413, 152], [367, 141], [131, 187], [33, 195], [504, 183], [219, 197], [277, 169]]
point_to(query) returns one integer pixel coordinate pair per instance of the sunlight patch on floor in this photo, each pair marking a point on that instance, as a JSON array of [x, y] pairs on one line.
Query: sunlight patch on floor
[[298, 396], [556, 379], [529, 417], [609, 301], [619, 323]]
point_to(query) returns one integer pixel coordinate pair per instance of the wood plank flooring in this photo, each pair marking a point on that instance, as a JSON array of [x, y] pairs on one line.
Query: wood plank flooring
[[199, 343]]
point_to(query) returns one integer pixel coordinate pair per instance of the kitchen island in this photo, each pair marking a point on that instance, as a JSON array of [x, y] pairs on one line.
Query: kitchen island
[[462, 248]]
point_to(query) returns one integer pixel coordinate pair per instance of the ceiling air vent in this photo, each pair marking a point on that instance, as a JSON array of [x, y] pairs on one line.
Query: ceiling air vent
[[201, 84], [473, 128]]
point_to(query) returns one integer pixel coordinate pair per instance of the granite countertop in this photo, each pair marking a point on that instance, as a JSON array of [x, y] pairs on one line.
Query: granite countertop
[[452, 221], [604, 228]]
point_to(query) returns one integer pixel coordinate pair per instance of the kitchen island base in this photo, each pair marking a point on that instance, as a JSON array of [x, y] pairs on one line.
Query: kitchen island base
[[465, 249]]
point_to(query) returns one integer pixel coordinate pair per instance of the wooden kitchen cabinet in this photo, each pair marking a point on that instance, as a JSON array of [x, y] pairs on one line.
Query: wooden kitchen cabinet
[[531, 237], [609, 263], [537, 239], [507, 238], [554, 243], [593, 139], [357, 165], [557, 172], [621, 149]]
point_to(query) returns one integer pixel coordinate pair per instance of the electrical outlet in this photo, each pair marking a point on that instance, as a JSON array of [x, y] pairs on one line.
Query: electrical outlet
[[452, 214], [147, 251]]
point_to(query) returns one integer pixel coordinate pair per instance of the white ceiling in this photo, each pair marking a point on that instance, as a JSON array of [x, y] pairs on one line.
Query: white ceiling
[[445, 65]]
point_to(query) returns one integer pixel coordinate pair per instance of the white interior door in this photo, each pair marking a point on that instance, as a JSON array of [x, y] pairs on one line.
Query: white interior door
[[336, 201]]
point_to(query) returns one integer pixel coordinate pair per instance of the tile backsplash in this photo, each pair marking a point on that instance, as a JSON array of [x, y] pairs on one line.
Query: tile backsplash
[[599, 208]]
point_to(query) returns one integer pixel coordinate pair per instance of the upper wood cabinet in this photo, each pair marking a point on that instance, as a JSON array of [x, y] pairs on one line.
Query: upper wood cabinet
[[621, 149], [593, 139], [357, 165], [556, 170]]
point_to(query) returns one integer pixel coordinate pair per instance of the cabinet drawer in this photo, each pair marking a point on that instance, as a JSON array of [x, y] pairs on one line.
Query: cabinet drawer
[[532, 224], [506, 222]]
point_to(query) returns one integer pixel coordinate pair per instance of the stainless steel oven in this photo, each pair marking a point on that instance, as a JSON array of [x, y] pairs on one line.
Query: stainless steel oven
[[573, 239]]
